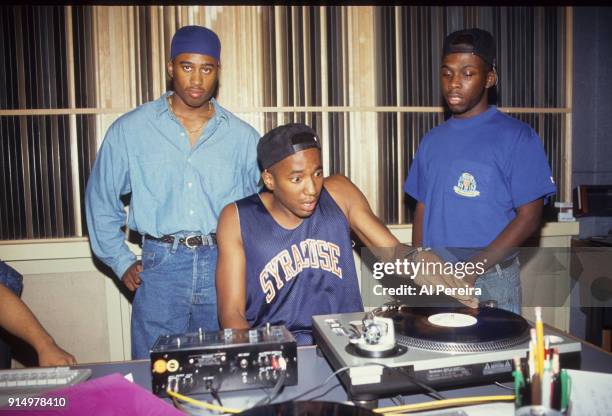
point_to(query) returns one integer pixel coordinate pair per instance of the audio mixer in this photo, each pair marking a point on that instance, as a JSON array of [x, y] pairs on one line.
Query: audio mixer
[[230, 359]]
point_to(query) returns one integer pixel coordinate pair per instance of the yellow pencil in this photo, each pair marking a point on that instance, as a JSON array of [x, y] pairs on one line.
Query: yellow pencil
[[540, 342]]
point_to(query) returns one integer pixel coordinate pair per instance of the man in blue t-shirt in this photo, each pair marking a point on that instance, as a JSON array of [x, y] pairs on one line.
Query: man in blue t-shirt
[[481, 178]]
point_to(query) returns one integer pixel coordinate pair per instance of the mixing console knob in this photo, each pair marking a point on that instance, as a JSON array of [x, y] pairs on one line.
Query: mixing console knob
[[244, 363], [172, 365], [159, 366]]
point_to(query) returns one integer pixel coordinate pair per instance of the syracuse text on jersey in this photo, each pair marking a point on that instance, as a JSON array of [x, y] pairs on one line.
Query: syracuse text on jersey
[[311, 253]]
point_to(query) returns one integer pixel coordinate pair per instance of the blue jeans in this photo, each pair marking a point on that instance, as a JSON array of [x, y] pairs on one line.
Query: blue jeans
[[177, 293], [10, 278], [503, 286]]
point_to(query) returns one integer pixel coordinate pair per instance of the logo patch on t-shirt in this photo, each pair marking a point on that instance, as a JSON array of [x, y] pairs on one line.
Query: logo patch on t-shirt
[[466, 186]]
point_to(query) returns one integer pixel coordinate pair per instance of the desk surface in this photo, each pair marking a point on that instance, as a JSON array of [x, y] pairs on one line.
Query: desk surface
[[314, 369]]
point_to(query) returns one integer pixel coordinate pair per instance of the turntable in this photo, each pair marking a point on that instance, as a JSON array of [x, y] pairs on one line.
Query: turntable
[[440, 347]]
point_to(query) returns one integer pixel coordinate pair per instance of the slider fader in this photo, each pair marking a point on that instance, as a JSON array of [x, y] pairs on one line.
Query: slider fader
[[230, 359]]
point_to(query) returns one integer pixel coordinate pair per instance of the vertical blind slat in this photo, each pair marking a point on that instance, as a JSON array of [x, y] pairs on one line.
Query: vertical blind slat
[[37, 195]]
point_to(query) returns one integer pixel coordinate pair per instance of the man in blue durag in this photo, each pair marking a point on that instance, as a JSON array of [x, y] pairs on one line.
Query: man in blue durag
[[181, 158]]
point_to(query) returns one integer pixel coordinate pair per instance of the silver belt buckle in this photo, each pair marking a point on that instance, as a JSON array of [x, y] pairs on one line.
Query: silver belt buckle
[[188, 244]]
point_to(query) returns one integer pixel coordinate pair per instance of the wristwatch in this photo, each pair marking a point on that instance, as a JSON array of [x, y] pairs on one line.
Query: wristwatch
[[411, 255]]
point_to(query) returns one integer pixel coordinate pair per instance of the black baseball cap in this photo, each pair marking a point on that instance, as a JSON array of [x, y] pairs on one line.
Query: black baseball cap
[[284, 141], [476, 41]]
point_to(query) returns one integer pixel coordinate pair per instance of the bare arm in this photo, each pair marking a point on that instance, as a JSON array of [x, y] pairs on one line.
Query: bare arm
[[375, 234], [19, 320], [525, 223], [417, 225], [370, 230], [231, 271]]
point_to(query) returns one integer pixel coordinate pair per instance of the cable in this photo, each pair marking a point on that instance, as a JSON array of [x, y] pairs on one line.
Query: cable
[[178, 405], [461, 401], [215, 394], [279, 386], [340, 370], [263, 390], [325, 392], [201, 404], [424, 386], [435, 394], [280, 383], [498, 384], [275, 391], [399, 399]]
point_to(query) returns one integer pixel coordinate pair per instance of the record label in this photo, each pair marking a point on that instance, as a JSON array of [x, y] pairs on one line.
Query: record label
[[452, 320]]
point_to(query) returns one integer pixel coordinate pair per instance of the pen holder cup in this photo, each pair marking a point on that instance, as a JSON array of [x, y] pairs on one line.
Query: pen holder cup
[[532, 400]]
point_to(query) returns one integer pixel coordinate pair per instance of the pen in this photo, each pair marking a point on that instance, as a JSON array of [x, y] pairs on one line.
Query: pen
[[547, 385], [564, 390], [519, 382], [531, 359]]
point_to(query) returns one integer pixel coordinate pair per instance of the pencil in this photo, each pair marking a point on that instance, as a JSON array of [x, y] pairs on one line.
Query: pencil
[[540, 342]]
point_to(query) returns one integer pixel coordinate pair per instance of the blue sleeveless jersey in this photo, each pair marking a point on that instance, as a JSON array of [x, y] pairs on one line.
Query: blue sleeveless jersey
[[292, 275]]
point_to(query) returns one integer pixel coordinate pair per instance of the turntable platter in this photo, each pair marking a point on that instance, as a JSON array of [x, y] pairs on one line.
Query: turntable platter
[[458, 329]]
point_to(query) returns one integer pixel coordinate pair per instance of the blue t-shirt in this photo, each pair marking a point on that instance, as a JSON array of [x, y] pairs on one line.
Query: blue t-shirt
[[471, 175]]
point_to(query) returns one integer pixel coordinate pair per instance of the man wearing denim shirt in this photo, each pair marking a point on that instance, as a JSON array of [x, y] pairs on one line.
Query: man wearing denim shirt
[[183, 158]]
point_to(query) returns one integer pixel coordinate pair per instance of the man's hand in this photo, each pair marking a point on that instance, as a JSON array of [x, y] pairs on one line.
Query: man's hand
[[50, 355], [445, 279], [131, 277]]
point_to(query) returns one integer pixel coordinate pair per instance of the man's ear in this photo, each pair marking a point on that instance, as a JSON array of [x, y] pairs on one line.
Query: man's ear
[[268, 179], [491, 78], [170, 69]]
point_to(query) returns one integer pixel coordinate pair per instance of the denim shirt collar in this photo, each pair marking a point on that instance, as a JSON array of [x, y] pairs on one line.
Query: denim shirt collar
[[161, 106]]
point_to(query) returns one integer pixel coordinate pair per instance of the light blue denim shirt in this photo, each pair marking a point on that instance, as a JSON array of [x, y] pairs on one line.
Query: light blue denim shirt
[[175, 187]]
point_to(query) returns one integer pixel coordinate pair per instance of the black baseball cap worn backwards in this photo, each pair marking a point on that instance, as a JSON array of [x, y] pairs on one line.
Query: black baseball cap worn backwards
[[284, 141], [476, 41]]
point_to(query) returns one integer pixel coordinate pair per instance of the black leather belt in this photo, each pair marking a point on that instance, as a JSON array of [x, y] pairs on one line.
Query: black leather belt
[[191, 241]]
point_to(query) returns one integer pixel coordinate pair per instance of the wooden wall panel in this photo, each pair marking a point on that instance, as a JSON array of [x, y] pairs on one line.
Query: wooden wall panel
[[364, 76]]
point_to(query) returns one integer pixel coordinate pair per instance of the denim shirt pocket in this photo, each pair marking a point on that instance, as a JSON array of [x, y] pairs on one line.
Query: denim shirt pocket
[[226, 179], [156, 174]]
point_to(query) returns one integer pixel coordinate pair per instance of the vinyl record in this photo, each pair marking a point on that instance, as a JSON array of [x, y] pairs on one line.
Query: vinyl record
[[311, 408], [458, 329]]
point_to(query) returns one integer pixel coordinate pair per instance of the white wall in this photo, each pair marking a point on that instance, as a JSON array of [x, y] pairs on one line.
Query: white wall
[[87, 314]]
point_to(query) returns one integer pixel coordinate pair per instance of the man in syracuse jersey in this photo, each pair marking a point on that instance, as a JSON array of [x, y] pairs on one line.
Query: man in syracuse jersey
[[285, 254]]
